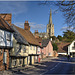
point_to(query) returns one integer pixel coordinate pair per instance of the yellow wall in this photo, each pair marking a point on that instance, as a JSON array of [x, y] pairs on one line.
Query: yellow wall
[[15, 52], [31, 51], [19, 51], [25, 61], [32, 59]]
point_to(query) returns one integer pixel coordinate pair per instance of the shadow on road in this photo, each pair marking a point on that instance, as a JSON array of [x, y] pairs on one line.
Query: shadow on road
[[48, 66]]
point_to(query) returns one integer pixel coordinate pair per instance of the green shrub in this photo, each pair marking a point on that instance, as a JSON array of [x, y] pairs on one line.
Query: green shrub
[[55, 47]]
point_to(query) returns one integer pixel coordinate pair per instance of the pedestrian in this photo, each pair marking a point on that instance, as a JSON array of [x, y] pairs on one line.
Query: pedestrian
[[68, 57]]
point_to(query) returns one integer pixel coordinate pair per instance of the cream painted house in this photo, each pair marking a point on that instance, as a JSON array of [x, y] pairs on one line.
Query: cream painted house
[[19, 52], [24, 41], [33, 43], [32, 53]]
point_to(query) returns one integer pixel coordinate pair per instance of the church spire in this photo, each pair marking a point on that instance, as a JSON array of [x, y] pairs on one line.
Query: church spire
[[50, 18], [50, 26]]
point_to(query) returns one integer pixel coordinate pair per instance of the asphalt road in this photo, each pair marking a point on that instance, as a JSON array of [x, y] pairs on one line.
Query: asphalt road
[[62, 67], [50, 66]]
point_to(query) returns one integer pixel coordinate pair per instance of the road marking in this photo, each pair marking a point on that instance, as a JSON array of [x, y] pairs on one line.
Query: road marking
[[50, 69], [55, 66]]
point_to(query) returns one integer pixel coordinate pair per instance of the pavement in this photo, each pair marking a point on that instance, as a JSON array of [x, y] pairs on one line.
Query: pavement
[[47, 66], [26, 68]]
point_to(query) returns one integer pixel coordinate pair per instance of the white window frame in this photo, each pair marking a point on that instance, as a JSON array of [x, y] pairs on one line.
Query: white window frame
[[38, 49], [34, 47]]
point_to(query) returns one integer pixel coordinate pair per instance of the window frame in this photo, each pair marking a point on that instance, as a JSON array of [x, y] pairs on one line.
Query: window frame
[[8, 36]]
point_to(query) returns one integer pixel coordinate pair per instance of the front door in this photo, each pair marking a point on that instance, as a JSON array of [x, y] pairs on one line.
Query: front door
[[30, 60]]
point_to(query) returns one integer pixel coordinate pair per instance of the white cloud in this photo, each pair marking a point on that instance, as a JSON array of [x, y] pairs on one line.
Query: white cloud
[[33, 26], [19, 24], [67, 28]]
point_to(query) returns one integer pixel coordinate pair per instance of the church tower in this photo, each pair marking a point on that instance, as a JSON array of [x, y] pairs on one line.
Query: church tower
[[50, 26]]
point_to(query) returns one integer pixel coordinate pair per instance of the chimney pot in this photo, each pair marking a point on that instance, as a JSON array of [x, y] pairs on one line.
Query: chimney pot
[[26, 26], [37, 30]]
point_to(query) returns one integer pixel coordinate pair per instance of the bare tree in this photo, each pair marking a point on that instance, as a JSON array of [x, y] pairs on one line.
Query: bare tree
[[68, 9]]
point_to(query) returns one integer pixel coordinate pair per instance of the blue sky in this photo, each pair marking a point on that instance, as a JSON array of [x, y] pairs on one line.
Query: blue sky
[[37, 15]]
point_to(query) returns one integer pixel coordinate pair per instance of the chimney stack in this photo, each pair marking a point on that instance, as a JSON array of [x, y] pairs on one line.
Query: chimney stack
[[36, 34], [26, 26]]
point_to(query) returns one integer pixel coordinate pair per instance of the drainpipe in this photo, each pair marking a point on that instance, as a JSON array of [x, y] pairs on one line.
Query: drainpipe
[[4, 60]]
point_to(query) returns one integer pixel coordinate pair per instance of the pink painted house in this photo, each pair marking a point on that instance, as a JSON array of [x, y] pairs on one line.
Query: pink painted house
[[36, 34], [39, 49], [47, 49]]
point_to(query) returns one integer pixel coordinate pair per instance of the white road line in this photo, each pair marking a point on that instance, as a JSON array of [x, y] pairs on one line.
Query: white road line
[[50, 69], [55, 66]]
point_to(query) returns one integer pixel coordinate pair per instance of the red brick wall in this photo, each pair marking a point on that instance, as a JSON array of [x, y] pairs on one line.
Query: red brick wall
[[2, 67]]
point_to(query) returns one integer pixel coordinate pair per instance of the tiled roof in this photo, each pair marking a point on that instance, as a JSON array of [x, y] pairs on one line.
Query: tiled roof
[[39, 40], [45, 42], [62, 47], [4, 25], [20, 39], [6, 16], [28, 36]]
